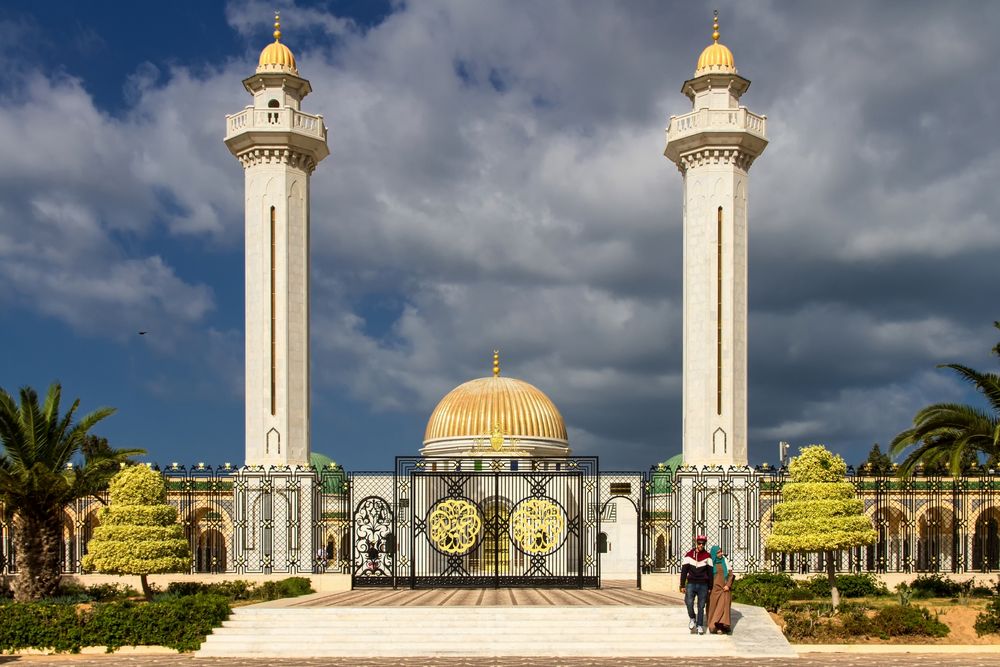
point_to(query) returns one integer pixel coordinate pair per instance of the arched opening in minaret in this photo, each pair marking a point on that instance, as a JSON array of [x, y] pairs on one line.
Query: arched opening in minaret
[[273, 117]]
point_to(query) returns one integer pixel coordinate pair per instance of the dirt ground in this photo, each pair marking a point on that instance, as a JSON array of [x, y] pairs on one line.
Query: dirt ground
[[960, 619]]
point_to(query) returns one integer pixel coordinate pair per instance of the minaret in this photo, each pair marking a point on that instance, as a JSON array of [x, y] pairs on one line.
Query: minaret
[[713, 146], [278, 146]]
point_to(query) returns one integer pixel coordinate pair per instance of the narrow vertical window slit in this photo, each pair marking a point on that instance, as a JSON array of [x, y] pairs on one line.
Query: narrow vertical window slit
[[273, 321], [718, 319]]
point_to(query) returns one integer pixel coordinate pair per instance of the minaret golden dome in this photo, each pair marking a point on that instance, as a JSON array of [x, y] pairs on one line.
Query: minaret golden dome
[[716, 57], [276, 57]]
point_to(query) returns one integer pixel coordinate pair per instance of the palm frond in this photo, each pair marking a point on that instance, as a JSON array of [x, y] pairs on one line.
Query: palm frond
[[986, 383]]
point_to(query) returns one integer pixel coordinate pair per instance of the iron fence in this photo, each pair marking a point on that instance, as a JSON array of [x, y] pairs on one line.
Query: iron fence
[[379, 526], [205, 500]]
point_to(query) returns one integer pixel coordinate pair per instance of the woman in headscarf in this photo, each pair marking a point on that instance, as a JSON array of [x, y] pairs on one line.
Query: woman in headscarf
[[720, 600]]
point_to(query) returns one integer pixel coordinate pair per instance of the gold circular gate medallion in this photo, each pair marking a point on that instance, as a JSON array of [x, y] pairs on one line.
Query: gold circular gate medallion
[[538, 526], [454, 526]]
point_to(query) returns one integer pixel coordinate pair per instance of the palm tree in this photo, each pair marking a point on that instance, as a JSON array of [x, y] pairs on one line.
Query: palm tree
[[37, 480], [950, 433]]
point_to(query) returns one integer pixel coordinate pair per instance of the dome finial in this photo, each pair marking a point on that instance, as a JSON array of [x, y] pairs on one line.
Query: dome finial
[[496, 363], [277, 26], [715, 27]]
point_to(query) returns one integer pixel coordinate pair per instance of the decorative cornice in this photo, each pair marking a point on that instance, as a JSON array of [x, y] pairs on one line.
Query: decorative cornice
[[284, 156], [740, 158]]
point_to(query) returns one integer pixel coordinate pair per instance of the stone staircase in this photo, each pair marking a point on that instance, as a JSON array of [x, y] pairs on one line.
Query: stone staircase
[[441, 631]]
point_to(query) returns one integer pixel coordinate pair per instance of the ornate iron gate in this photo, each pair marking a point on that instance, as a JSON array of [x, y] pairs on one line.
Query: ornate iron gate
[[499, 522]]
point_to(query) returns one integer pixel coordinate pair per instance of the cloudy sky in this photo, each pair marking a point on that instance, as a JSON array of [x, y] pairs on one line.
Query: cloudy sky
[[496, 179]]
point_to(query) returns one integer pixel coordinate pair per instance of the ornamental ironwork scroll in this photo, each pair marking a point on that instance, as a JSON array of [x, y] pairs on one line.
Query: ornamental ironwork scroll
[[373, 543], [454, 526], [538, 526]]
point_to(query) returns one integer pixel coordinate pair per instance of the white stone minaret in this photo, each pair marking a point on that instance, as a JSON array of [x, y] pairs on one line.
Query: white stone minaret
[[278, 146], [713, 147]]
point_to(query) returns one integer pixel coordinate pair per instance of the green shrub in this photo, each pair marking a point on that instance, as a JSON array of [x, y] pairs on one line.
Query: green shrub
[[818, 624], [40, 625], [244, 590], [803, 624], [849, 585], [285, 588], [180, 623], [937, 586], [988, 620], [801, 593], [234, 590], [982, 591], [778, 579], [108, 592], [771, 598], [896, 620]]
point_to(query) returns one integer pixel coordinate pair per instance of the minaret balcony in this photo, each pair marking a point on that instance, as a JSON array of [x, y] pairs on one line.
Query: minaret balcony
[[718, 119], [254, 127], [716, 127]]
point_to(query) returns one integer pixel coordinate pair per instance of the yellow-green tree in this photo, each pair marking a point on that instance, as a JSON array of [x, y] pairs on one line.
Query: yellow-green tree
[[819, 512], [138, 531]]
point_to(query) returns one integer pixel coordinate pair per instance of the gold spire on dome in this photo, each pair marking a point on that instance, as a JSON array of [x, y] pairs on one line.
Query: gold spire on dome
[[277, 26], [715, 26], [276, 57], [496, 363], [716, 57]]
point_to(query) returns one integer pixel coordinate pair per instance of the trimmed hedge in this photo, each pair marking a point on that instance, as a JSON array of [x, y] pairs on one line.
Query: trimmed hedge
[[179, 623], [764, 589], [244, 590], [849, 585]]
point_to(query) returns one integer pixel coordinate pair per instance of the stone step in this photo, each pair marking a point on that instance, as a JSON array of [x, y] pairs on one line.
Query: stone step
[[582, 631]]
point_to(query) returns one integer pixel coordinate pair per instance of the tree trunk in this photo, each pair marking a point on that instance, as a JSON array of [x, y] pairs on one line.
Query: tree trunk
[[36, 554], [146, 590], [831, 574]]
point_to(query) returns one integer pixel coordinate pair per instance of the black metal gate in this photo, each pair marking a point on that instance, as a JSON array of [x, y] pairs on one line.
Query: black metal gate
[[496, 522]]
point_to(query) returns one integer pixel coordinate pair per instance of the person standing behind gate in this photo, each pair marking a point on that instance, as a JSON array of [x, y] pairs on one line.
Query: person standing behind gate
[[696, 575]]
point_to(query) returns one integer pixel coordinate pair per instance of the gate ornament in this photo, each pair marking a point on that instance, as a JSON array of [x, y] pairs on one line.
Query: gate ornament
[[454, 526], [538, 526]]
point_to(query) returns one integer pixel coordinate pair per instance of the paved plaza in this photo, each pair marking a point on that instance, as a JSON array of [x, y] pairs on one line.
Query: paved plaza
[[611, 594]]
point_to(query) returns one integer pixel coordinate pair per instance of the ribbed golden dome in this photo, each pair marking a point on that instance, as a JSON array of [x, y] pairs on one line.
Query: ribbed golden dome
[[473, 410], [716, 57], [276, 57]]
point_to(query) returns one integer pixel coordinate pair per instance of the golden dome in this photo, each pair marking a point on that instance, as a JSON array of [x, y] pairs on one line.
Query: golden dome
[[474, 409], [716, 57], [276, 57]]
